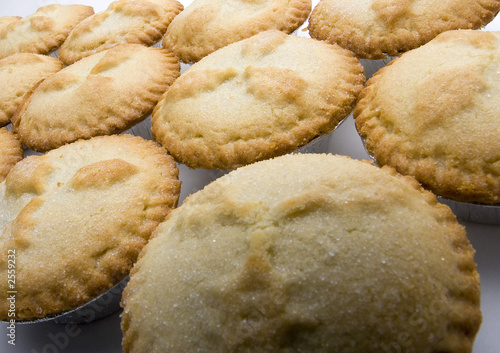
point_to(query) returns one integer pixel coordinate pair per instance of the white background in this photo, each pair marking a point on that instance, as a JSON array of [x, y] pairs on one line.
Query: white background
[[105, 336]]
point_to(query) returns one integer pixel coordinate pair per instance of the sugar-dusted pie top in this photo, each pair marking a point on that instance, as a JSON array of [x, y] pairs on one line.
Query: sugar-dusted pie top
[[19, 73], [207, 25], [376, 28], [434, 113], [102, 94], [305, 253], [258, 98], [124, 21], [41, 32], [78, 216]]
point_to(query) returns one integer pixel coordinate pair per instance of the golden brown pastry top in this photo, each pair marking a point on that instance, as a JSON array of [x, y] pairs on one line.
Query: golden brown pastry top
[[102, 94], [434, 114], [258, 98], [19, 73], [207, 25], [124, 21], [376, 28], [78, 216], [305, 253], [43, 31]]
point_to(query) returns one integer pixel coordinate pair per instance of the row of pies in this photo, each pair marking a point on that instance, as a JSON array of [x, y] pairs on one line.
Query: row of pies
[[291, 253], [433, 119], [371, 29]]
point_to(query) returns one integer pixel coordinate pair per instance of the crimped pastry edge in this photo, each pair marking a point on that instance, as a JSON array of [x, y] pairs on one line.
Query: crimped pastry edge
[[394, 44], [68, 54], [366, 115], [288, 20], [50, 43], [465, 294], [243, 152], [121, 121], [11, 152], [161, 204]]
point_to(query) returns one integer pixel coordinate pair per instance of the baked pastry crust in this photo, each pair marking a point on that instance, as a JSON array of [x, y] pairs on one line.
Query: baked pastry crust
[[434, 114], [376, 28], [42, 32], [102, 94], [5, 20], [305, 253], [11, 152], [258, 98], [18, 74], [124, 21], [78, 216], [206, 25]]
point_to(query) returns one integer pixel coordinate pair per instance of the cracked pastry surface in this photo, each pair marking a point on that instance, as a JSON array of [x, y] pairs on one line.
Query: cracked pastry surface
[[18, 74], [102, 94], [11, 151], [207, 25], [376, 28], [305, 253], [41, 32], [434, 114], [78, 216], [138, 21], [261, 97]]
